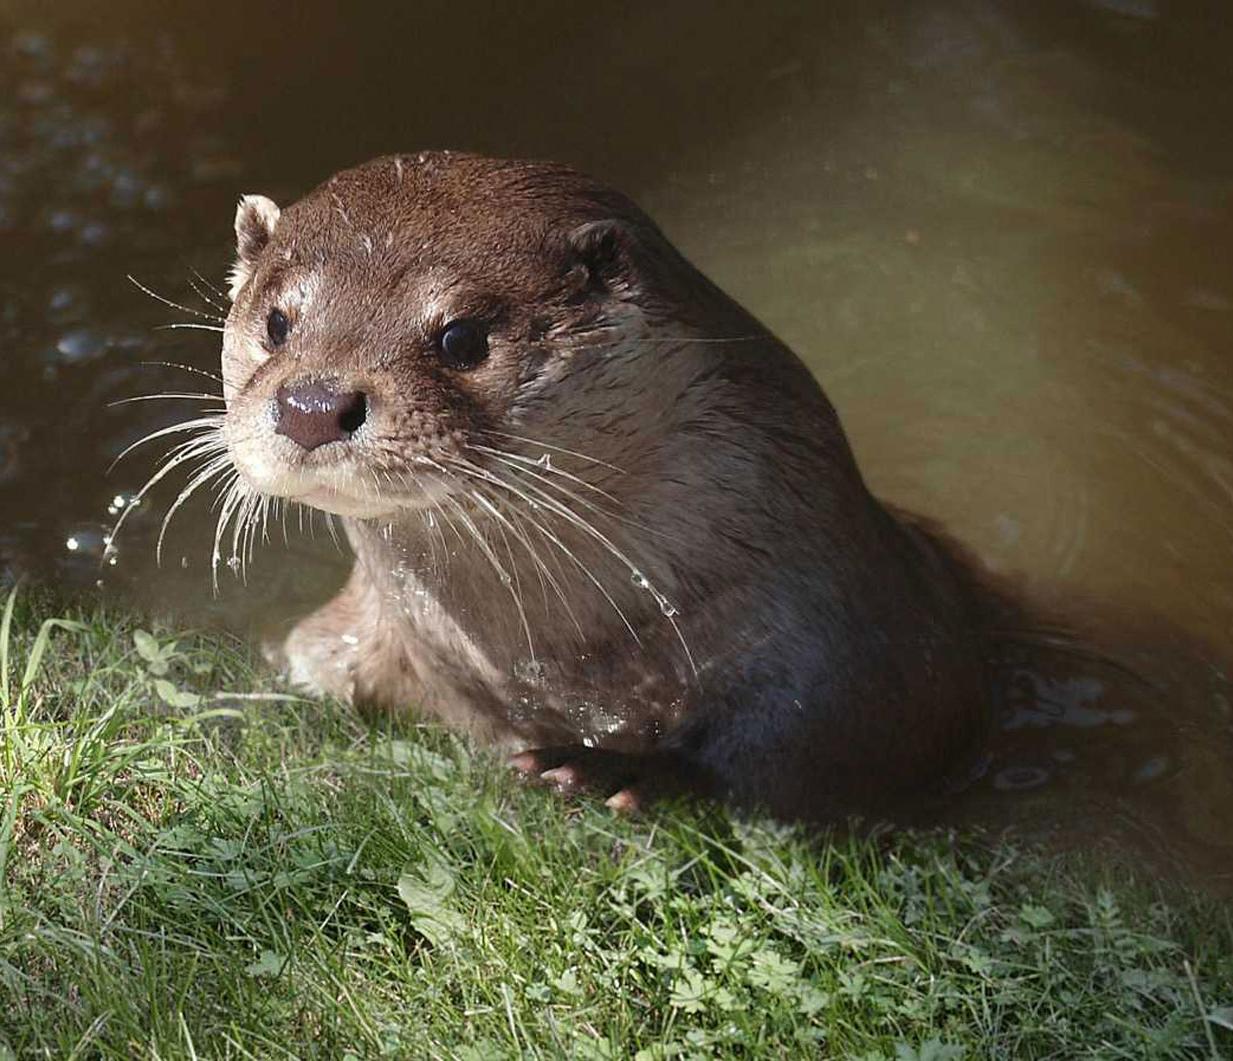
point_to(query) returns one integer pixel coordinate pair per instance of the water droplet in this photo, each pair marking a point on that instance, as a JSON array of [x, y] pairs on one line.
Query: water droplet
[[530, 671], [86, 541], [63, 299], [234, 563], [81, 344], [120, 502]]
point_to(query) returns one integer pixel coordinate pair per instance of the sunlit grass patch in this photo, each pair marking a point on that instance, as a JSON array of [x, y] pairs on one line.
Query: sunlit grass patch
[[194, 862]]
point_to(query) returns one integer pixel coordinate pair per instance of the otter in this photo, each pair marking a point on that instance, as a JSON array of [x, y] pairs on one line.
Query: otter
[[601, 516]]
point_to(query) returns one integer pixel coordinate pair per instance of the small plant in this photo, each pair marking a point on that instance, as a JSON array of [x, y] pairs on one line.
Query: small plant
[[162, 661], [16, 694]]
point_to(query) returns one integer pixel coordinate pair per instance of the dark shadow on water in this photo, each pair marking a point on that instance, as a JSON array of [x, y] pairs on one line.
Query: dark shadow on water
[[1112, 734]]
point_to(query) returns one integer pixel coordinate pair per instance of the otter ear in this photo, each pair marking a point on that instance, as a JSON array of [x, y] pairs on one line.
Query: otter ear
[[604, 257], [255, 219]]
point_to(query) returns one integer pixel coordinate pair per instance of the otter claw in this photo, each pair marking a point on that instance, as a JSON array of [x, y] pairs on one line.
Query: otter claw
[[627, 783], [624, 802], [526, 763], [564, 779]]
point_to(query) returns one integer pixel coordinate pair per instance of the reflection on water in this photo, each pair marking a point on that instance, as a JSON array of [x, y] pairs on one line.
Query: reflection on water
[[1003, 241]]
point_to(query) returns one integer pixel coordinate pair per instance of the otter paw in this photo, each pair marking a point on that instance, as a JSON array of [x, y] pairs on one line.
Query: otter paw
[[314, 661], [627, 782], [274, 652]]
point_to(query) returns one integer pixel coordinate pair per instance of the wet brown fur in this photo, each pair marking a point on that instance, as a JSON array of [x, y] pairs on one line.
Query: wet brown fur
[[800, 649]]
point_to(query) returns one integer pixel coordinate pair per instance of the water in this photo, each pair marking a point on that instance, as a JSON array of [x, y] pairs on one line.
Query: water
[[1002, 239]]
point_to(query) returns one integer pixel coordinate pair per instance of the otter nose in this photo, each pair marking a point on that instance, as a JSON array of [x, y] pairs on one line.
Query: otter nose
[[314, 412]]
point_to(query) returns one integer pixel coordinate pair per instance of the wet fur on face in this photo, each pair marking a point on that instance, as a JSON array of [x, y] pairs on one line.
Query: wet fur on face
[[371, 267]]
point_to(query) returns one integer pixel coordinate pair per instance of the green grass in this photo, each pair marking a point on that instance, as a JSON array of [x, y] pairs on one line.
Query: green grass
[[190, 874]]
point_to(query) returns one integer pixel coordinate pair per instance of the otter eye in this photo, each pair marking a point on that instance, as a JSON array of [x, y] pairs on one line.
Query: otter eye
[[463, 344], [277, 326]]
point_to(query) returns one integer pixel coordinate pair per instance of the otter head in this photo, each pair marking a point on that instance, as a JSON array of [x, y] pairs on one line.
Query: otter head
[[416, 312]]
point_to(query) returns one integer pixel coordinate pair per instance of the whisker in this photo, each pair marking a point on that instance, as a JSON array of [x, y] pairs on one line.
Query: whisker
[[206, 282], [689, 340], [188, 325], [452, 526], [240, 533], [518, 515], [526, 466], [490, 505], [507, 580], [186, 368], [215, 466], [556, 449], [486, 476], [236, 492], [517, 587], [159, 474], [433, 518], [198, 282], [555, 505], [522, 469], [206, 446], [493, 508], [184, 452], [168, 302], [666, 607], [167, 397], [202, 423], [429, 519], [266, 507], [505, 455]]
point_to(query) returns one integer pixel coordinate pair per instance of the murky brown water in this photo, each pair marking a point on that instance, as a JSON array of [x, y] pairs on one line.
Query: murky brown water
[[1002, 240]]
